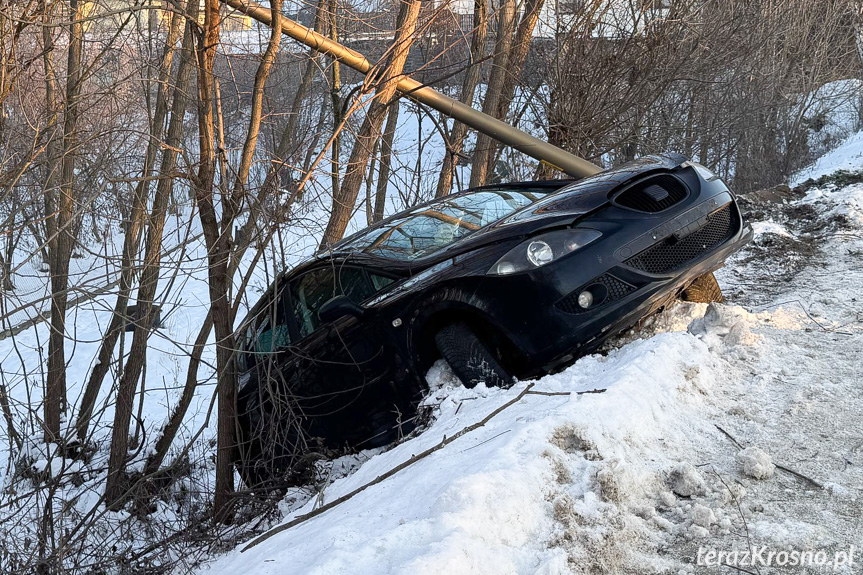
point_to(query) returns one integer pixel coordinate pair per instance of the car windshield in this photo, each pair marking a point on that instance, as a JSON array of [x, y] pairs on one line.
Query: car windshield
[[431, 227]]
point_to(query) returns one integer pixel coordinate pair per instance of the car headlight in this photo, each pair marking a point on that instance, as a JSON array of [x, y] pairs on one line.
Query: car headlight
[[703, 171], [541, 250]]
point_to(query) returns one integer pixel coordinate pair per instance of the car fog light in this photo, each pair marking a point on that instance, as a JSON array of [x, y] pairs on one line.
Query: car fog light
[[585, 299], [539, 253]]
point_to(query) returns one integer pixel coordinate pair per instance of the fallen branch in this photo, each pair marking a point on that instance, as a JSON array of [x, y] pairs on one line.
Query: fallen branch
[[780, 467], [557, 393], [444, 442], [799, 475]]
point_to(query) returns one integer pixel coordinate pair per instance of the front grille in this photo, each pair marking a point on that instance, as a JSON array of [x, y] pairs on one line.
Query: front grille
[[615, 289], [653, 194], [673, 253]]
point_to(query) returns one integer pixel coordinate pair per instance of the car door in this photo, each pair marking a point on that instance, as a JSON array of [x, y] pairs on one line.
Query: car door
[[347, 392], [270, 422]]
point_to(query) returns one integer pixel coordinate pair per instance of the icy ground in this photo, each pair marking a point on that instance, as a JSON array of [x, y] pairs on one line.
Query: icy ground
[[721, 427]]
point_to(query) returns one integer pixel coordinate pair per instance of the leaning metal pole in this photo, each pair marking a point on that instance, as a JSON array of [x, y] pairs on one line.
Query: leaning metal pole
[[492, 127]]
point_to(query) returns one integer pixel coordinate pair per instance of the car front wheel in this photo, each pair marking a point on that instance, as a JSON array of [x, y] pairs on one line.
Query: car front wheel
[[469, 358]]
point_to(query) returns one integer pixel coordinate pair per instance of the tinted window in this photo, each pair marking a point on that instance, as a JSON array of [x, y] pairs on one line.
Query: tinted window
[[380, 282], [429, 228], [267, 333], [315, 288]]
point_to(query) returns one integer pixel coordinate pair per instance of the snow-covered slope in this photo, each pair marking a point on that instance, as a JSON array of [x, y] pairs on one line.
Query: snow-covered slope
[[848, 156], [506, 497], [722, 427]]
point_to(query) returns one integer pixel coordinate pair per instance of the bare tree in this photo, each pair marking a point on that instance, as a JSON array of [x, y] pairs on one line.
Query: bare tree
[[386, 148], [458, 133], [115, 487], [136, 220], [61, 215], [515, 62], [336, 101], [494, 90], [388, 74]]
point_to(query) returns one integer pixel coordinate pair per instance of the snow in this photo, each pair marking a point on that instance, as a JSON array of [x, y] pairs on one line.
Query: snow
[[685, 481], [703, 516], [488, 504], [769, 227], [756, 463], [555, 481]]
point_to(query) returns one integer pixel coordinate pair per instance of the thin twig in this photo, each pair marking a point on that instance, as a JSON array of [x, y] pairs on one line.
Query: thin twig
[[737, 504], [487, 440], [729, 436], [799, 475]]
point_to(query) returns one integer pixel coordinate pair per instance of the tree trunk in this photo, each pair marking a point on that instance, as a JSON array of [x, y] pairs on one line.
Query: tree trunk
[[499, 71], [55, 392], [218, 253], [115, 484], [857, 7], [169, 431], [218, 238], [370, 219], [132, 236], [53, 150], [172, 426], [515, 65], [335, 95], [345, 200], [858, 28], [255, 113], [386, 161], [468, 89]]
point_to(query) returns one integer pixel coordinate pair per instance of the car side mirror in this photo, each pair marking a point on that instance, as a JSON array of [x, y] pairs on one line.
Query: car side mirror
[[340, 306]]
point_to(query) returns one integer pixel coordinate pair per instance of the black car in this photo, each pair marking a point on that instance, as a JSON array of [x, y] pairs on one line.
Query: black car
[[505, 281]]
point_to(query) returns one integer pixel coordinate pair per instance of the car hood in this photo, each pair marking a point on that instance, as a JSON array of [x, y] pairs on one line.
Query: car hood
[[570, 202], [591, 193]]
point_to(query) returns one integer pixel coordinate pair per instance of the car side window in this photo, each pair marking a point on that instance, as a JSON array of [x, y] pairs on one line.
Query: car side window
[[314, 289], [380, 282], [269, 331]]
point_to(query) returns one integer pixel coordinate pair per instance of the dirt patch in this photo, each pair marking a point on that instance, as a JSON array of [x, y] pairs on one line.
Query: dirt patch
[[773, 259]]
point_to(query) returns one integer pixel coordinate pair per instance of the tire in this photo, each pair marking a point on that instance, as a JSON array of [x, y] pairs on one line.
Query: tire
[[469, 359], [705, 289]]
